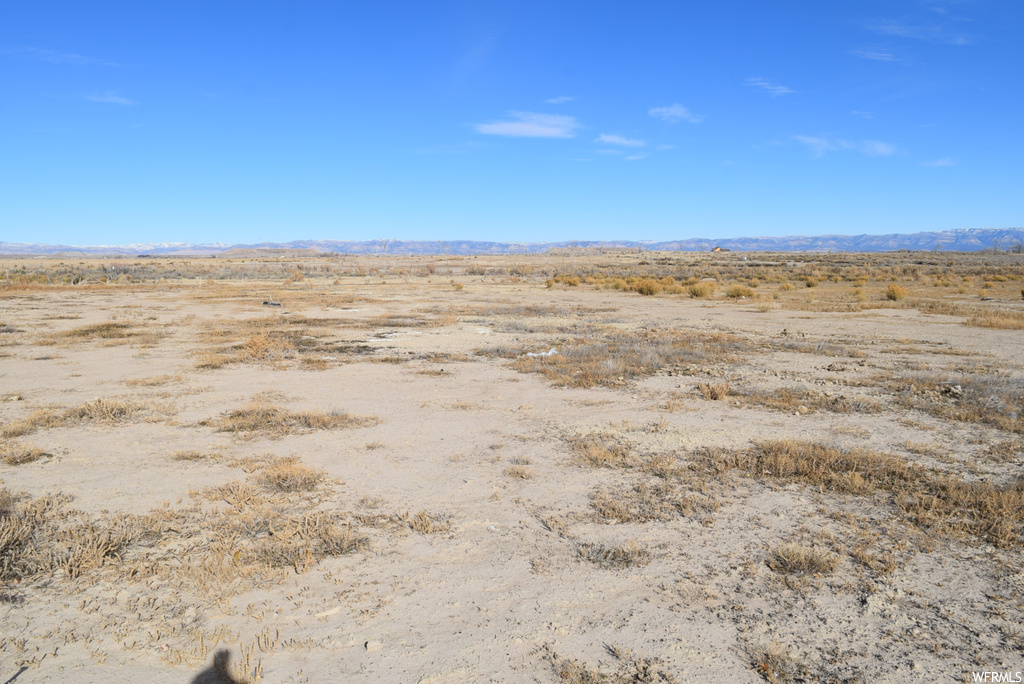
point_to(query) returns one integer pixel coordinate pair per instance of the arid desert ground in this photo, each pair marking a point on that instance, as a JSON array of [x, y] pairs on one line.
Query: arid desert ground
[[296, 468]]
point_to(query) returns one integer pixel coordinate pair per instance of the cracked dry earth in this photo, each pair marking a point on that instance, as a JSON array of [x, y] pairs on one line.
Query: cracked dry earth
[[464, 517]]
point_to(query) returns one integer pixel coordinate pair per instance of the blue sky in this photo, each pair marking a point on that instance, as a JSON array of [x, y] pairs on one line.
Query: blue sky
[[125, 122]]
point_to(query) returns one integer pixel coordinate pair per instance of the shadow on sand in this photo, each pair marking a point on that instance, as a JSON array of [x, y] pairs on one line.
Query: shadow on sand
[[218, 672]]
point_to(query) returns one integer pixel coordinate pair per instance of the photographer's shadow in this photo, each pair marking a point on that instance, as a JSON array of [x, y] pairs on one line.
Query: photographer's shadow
[[219, 671]]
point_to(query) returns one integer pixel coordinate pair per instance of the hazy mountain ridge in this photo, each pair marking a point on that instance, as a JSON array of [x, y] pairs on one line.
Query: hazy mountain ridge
[[961, 240]]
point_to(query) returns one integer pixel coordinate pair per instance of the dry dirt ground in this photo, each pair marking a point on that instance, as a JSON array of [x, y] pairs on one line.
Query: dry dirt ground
[[374, 482]]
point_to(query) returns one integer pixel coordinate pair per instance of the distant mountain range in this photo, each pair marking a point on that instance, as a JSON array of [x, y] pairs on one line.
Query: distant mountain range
[[963, 240]]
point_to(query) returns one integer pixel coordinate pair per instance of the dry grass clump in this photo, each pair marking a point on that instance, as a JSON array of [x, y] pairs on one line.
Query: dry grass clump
[[797, 559], [192, 455], [630, 670], [423, 522], [603, 450], [278, 339], [300, 543], [101, 410], [43, 535], [154, 381], [261, 532], [714, 392], [288, 475], [258, 417], [808, 401], [1006, 450], [519, 472], [995, 399], [110, 330], [774, 663], [1001, 320], [943, 503], [645, 502], [42, 418], [619, 356], [626, 555], [13, 453], [104, 410]]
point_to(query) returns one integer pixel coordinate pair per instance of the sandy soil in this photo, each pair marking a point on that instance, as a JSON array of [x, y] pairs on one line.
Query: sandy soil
[[502, 589]]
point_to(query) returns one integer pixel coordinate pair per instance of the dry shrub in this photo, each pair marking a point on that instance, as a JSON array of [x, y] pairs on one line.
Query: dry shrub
[[14, 454], [645, 502], [895, 292], [702, 290], [621, 356], [625, 555], [423, 522], [736, 291], [797, 559], [713, 392], [260, 347], [648, 287], [259, 417]]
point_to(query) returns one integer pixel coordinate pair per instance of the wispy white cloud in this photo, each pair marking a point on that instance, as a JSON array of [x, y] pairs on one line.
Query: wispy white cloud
[[619, 140], [110, 98], [940, 162], [560, 100], [635, 157], [773, 89], [877, 55], [55, 57], [932, 33], [876, 148], [820, 145], [531, 125], [675, 113]]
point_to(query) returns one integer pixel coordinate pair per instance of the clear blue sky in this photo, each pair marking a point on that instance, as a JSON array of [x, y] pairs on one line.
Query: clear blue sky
[[125, 122]]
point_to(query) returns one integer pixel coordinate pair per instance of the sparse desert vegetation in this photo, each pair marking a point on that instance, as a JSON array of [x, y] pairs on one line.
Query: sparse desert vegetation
[[618, 466]]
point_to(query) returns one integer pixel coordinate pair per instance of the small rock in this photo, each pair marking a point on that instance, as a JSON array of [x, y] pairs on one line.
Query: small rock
[[373, 646]]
